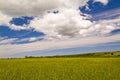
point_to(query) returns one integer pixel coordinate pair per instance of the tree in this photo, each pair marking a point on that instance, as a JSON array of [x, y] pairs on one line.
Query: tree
[[112, 53]]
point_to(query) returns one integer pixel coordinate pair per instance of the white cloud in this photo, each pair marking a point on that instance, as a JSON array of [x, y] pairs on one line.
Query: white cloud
[[55, 44], [109, 14], [15, 27], [105, 2], [69, 23], [36, 7], [32, 39], [4, 19], [7, 41], [65, 29]]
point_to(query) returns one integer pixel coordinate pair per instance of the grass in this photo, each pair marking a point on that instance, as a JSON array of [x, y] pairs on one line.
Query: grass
[[76, 68]]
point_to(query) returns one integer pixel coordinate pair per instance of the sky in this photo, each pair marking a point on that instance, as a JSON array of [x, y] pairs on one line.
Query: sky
[[58, 27]]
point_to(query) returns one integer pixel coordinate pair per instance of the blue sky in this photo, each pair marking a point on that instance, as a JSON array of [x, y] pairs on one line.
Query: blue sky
[[44, 28]]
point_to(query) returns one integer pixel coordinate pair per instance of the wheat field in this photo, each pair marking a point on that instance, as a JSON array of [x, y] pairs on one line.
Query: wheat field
[[60, 69]]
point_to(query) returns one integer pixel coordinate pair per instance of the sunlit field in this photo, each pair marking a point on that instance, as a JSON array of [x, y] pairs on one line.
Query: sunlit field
[[60, 69]]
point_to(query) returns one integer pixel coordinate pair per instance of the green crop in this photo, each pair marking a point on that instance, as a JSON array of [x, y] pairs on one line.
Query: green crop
[[60, 69]]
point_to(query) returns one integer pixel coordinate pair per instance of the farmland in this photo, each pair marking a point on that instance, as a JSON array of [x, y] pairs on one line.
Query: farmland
[[62, 68]]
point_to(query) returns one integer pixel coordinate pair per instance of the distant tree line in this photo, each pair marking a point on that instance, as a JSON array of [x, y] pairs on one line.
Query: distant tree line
[[98, 54]]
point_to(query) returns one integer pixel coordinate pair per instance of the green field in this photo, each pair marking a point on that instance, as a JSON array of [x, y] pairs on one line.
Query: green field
[[76, 68]]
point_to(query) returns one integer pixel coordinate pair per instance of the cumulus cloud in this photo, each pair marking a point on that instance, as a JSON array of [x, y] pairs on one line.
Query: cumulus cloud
[[69, 23], [4, 19], [36, 7]]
